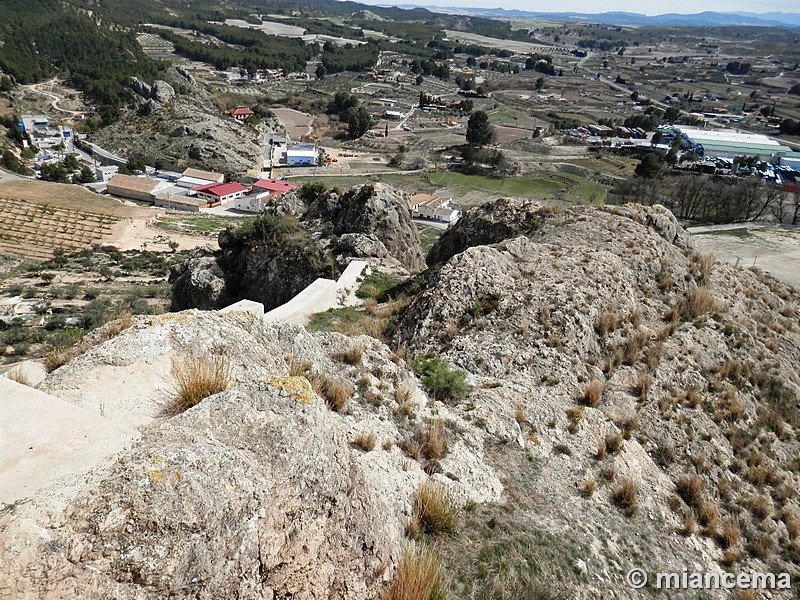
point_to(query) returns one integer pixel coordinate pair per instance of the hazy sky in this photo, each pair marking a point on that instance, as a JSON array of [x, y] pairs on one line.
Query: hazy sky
[[646, 7]]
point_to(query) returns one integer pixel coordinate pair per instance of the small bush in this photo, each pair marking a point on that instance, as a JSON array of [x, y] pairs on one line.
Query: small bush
[[690, 525], [593, 393], [198, 377], [562, 449], [589, 486], [434, 512], [418, 577], [365, 441], [626, 494], [442, 382], [600, 453]]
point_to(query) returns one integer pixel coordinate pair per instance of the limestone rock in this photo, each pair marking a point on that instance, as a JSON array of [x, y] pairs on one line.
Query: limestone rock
[[199, 282], [162, 92]]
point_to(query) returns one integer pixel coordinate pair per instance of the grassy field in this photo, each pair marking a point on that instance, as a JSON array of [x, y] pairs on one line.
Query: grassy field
[[541, 185], [507, 118], [208, 225]]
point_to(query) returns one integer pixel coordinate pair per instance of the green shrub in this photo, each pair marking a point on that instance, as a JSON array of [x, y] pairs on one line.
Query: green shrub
[[442, 382]]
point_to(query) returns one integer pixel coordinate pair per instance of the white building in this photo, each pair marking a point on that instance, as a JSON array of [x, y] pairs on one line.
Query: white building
[[252, 203], [220, 193], [105, 174], [425, 206]]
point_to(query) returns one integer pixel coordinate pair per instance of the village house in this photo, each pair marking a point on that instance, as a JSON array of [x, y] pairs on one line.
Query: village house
[[425, 206], [220, 193], [135, 188], [193, 178], [105, 174], [273, 186], [259, 197], [241, 113]]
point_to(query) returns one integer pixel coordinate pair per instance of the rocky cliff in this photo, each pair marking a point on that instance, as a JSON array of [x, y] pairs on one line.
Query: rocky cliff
[[631, 403], [303, 237], [185, 129]]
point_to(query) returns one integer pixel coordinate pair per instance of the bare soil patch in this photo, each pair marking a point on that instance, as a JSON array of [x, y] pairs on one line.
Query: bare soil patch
[[771, 249], [510, 134], [298, 124]]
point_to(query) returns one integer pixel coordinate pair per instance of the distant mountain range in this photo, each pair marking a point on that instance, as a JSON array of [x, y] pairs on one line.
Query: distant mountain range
[[703, 19]]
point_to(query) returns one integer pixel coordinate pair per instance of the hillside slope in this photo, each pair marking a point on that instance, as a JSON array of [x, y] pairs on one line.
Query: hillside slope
[[633, 404]]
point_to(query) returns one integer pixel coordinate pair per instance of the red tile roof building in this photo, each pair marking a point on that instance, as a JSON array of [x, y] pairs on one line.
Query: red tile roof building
[[274, 186], [220, 193]]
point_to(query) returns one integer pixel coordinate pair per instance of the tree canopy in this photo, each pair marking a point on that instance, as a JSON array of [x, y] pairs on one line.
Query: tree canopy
[[479, 131]]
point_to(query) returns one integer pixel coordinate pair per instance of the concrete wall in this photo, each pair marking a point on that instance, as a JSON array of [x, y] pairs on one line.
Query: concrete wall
[[317, 297], [45, 439]]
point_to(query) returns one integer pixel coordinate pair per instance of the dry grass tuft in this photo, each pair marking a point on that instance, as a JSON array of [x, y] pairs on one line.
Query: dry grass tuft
[[701, 266], [600, 452], [519, 414], [18, 375], [403, 395], [434, 512], [589, 486], [690, 488], [435, 446], [113, 328], [351, 356], [607, 322], [690, 524], [697, 302], [297, 367], [730, 533], [626, 494], [593, 393], [366, 441], [643, 385], [613, 442], [336, 392], [198, 377], [418, 577]]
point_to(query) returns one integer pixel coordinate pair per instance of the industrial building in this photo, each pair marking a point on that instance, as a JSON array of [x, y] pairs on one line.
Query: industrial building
[[136, 188], [726, 143], [301, 155]]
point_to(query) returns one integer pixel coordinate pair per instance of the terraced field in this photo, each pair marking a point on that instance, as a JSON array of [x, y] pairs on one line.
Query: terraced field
[[39, 217]]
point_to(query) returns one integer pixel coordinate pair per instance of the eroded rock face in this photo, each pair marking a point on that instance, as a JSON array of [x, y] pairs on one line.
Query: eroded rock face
[[256, 492], [365, 222], [162, 92], [379, 210]]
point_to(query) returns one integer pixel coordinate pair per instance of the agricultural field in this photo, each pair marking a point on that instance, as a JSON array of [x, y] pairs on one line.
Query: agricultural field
[[40, 218]]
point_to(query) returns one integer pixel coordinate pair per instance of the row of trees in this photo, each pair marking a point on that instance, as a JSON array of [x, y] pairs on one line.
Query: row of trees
[[707, 198], [358, 58]]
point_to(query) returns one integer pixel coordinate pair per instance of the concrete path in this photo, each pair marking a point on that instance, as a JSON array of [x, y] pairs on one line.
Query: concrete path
[[44, 439]]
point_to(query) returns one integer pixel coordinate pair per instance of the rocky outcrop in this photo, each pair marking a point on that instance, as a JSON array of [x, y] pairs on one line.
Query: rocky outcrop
[[256, 492], [488, 224], [364, 222], [162, 92], [199, 282], [375, 209], [679, 350]]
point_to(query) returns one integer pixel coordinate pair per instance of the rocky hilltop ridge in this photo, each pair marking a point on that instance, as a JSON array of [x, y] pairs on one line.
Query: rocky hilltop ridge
[[310, 233], [631, 403]]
